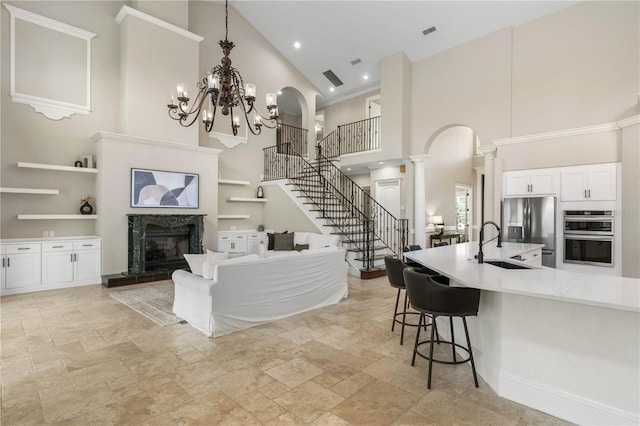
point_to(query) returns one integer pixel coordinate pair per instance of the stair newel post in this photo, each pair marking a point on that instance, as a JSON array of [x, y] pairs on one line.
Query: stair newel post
[[403, 225]]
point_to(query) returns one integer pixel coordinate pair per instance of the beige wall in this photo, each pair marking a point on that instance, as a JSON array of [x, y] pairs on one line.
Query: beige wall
[[630, 214], [28, 136], [175, 12], [282, 214], [348, 111]]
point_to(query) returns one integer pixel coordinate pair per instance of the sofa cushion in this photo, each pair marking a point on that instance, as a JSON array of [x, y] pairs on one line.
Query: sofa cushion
[[271, 239], [282, 242], [195, 262], [317, 241], [301, 237], [300, 247]]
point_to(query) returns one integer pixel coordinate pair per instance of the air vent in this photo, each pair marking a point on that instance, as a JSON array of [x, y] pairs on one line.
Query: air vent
[[428, 30], [333, 78], [356, 61]]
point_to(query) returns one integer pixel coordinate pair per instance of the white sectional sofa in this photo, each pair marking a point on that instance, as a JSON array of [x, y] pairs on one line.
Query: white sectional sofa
[[248, 291]]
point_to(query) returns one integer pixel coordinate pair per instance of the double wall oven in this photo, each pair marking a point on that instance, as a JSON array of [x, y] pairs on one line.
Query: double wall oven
[[588, 237]]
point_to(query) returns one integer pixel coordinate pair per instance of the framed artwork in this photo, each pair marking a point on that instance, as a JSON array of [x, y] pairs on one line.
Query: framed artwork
[[157, 188]]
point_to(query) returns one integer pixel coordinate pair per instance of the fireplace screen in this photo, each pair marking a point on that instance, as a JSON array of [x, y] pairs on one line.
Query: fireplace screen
[[164, 247]]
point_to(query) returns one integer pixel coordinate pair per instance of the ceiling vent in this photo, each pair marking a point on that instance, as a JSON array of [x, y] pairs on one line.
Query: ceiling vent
[[333, 78], [428, 31], [356, 61]]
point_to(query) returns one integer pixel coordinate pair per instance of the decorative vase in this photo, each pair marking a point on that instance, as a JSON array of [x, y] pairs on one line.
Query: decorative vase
[[260, 228], [86, 208], [260, 193]]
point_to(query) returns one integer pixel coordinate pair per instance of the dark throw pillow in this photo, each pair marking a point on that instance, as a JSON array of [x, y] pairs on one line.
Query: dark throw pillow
[[270, 243], [300, 247], [283, 242]]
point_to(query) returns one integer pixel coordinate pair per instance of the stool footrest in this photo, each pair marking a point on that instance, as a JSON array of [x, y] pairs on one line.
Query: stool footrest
[[440, 361]]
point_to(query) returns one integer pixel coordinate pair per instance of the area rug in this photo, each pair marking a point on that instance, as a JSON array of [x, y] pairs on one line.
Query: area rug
[[153, 301]]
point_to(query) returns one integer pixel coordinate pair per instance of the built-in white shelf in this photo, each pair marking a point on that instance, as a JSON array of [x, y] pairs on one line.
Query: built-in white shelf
[[30, 191], [233, 216], [56, 167], [233, 182], [56, 216], [247, 199]]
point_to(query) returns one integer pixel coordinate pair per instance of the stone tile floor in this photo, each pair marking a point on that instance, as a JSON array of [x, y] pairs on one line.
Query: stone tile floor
[[77, 356]]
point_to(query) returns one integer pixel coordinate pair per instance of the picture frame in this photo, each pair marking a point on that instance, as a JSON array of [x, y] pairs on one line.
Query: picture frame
[[164, 189]]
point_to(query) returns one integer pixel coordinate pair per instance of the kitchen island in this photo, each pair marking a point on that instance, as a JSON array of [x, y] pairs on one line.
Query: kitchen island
[[563, 342]]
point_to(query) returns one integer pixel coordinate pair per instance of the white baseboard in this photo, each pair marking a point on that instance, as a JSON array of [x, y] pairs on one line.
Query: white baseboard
[[565, 405]]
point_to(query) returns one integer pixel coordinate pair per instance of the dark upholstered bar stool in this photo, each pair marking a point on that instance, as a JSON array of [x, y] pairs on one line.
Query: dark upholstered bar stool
[[432, 298], [396, 279]]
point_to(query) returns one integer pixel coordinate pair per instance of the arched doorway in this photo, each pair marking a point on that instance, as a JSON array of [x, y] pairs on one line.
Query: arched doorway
[[292, 130]]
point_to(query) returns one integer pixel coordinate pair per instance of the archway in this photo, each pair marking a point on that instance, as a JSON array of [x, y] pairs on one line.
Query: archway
[[293, 120]]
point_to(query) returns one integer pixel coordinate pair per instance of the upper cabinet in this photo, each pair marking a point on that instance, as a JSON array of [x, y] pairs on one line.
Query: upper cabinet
[[594, 183], [531, 182]]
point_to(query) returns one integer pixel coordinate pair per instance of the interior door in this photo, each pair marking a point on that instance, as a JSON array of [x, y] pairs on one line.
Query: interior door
[[388, 195]]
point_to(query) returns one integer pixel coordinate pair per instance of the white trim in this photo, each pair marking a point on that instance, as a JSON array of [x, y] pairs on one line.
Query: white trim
[[56, 167], [136, 139], [359, 153], [230, 141], [126, 10], [30, 191], [486, 149], [630, 121], [56, 216], [50, 108], [233, 182], [247, 199], [233, 216], [574, 408]]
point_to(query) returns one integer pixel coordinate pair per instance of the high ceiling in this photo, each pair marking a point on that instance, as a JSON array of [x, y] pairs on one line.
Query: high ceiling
[[334, 33]]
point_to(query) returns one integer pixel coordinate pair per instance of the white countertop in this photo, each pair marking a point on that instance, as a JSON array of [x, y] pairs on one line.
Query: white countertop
[[590, 289], [43, 240]]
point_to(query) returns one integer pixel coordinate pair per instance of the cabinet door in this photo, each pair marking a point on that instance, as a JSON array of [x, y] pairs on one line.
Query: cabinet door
[[57, 267], [22, 270], [573, 184], [86, 266], [516, 183], [543, 182], [602, 182]]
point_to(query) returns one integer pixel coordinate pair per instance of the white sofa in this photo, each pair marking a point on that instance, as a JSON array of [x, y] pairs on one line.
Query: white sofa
[[249, 291]]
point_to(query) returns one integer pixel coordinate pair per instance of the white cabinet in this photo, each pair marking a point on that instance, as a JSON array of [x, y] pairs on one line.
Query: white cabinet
[[530, 182], [20, 265], [255, 240], [592, 183], [37, 264], [236, 243], [531, 257], [243, 241], [71, 262]]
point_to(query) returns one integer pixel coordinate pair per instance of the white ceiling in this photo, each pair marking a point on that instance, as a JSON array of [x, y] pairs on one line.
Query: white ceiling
[[333, 33]]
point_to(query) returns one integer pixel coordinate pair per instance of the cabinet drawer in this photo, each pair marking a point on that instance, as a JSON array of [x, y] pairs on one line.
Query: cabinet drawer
[[59, 246], [22, 248], [87, 245], [232, 237]]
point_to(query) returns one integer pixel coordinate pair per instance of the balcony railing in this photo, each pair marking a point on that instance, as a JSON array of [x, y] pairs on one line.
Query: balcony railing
[[295, 137], [359, 136]]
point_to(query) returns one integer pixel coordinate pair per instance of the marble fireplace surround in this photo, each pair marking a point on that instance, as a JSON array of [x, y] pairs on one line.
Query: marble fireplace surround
[[137, 226]]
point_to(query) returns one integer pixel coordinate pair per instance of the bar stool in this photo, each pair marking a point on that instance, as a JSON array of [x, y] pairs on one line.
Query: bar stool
[[434, 299], [396, 279]]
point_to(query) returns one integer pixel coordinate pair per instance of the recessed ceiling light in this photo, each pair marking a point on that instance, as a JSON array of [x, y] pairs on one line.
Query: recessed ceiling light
[[297, 45], [381, 162], [332, 89], [348, 169], [279, 92], [365, 77]]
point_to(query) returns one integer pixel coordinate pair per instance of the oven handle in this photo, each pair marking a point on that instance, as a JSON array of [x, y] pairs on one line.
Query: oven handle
[[588, 237], [588, 219]]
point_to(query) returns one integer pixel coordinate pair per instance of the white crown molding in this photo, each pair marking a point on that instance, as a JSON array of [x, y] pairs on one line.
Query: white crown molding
[[631, 121], [486, 149], [50, 108], [230, 141], [101, 135], [571, 132], [126, 10], [417, 158]]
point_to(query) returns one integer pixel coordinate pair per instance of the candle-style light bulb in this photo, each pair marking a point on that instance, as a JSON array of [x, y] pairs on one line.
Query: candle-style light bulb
[[257, 121], [250, 90], [236, 121], [180, 90], [271, 100]]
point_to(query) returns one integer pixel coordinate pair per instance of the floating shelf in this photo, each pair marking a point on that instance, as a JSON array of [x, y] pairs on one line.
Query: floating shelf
[[30, 191], [233, 216], [233, 182], [247, 199], [56, 167], [56, 216]]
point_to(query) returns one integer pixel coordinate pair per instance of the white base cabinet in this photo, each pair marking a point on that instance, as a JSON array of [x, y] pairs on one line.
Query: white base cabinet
[[245, 242], [49, 264]]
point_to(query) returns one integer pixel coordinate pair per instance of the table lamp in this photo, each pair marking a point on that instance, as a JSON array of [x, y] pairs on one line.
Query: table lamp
[[438, 223]]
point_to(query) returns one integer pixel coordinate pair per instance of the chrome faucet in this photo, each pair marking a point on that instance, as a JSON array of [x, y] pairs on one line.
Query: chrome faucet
[[480, 256]]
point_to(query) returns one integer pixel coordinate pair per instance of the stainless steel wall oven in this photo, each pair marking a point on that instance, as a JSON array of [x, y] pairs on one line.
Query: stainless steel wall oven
[[588, 237]]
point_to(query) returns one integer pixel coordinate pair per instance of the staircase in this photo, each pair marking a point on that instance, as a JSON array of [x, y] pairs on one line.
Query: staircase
[[368, 230]]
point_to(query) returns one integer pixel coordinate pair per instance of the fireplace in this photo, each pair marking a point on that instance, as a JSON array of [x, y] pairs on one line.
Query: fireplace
[[157, 242]]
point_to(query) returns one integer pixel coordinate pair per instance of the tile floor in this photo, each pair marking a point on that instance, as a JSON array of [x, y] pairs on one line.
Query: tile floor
[[77, 356]]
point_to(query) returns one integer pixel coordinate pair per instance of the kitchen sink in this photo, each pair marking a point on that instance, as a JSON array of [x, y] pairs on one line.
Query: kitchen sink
[[508, 265]]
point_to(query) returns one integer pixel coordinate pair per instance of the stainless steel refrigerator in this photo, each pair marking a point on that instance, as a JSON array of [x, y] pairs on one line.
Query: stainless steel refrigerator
[[531, 220]]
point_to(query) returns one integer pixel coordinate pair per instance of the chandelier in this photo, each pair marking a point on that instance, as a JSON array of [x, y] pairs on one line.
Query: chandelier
[[223, 87]]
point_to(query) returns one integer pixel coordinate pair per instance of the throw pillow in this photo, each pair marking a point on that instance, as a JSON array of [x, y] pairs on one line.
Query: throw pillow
[[317, 241], [195, 261], [270, 242], [300, 247], [214, 256], [301, 237], [282, 242]]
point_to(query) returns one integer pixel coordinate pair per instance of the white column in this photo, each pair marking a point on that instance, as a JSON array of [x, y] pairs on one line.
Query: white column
[[489, 152], [419, 192]]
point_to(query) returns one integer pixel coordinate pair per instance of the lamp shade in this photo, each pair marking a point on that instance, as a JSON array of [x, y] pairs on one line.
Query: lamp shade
[[435, 220]]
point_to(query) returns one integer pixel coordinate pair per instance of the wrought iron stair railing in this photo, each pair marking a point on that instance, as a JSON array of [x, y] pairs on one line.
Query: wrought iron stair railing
[[296, 137], [361, 220], [359, 136]]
